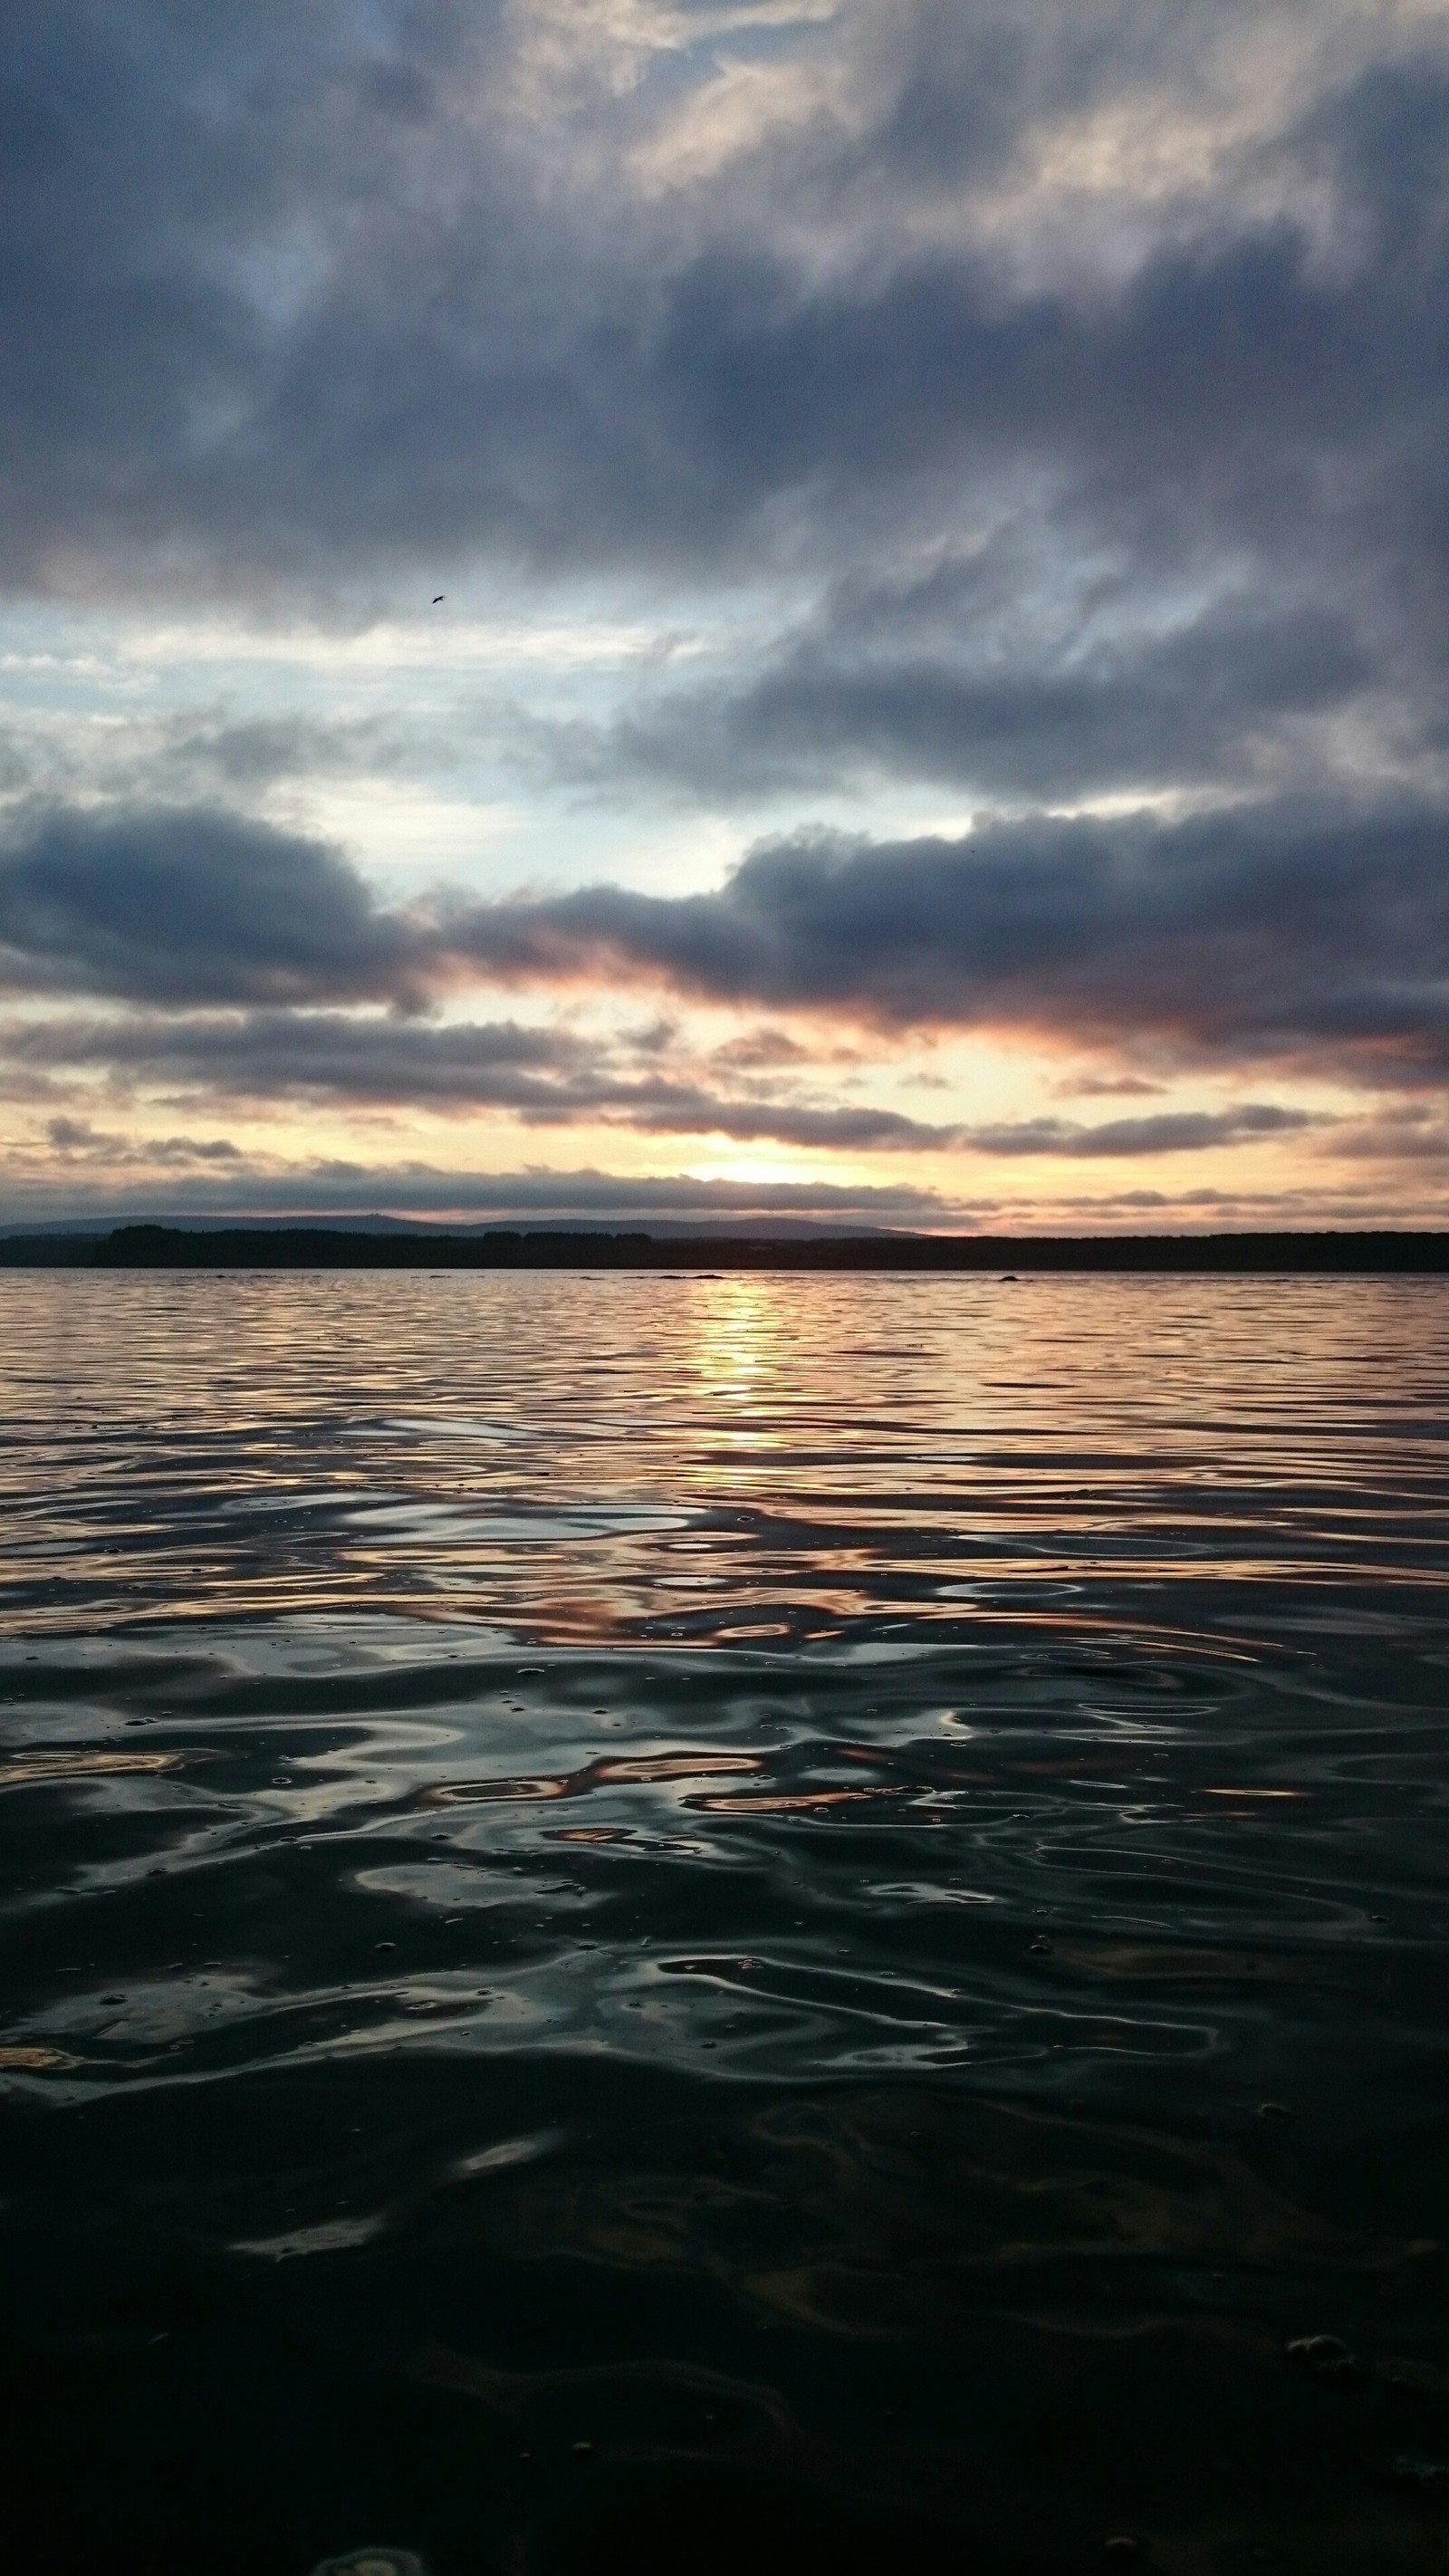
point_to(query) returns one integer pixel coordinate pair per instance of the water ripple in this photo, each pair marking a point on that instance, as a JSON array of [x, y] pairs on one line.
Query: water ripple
[[748, 1890]]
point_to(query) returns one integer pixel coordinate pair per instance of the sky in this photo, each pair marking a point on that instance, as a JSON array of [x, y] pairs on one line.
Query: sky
[[631, 608]]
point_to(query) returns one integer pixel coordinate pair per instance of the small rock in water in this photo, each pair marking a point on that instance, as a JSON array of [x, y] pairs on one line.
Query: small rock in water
[[1041, 1942], [1275, 2111], [1120, 2544]]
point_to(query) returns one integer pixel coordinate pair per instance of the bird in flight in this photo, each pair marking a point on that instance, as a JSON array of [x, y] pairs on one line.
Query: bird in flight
[[438, 602]]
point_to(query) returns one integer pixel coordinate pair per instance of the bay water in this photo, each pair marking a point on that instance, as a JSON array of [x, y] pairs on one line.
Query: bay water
[[721, 1923]]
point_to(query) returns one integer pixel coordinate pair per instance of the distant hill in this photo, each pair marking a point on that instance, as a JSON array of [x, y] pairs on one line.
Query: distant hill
[[764, 1228]]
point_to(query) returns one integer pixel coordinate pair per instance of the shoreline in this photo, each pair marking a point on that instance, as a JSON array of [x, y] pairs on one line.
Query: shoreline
[[156, 1247]]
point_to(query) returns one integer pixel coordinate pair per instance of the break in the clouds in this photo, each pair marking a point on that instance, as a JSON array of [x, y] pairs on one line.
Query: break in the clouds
[[941, 516]]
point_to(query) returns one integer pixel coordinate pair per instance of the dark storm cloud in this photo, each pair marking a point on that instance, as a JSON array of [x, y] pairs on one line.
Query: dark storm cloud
[[191, 907], [1171, 709], [1275, 930], [175, 184], [1221, 358], [311, 290], [1228, 398], [336, 296]]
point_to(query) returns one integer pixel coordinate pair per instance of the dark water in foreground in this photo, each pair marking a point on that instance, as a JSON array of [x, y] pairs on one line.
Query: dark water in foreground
[[700, 1925]]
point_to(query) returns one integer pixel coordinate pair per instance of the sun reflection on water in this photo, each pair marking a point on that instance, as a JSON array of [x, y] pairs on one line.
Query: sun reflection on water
[[587, 1456]]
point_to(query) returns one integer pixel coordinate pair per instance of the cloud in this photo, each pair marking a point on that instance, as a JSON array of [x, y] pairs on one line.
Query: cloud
[[1106, 1086], [35, 1192], [1406, 1132], [546, 1078], [1174, 1132], [542, 1077], [1272, 931], [1145, 711], [1044, 403], [184, 1185], [156, 758], [1282, 931], [189, 907], [316, 1055], [288, 295], [78, 1141]]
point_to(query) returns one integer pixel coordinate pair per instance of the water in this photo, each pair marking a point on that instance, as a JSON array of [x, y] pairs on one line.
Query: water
[[706, 1923]]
